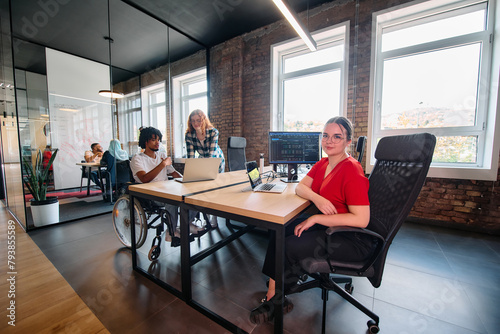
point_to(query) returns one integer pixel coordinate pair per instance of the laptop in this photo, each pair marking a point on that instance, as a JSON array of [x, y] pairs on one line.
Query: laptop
[[256, 181], [200, 169]]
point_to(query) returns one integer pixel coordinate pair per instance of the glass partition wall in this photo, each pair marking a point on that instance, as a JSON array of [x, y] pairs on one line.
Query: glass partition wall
[[11, 184], [58, 106]]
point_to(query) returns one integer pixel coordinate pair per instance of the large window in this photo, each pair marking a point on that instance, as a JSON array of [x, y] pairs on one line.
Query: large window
[[129, 121], [154, 108], [308, 87], [189, 93], [432, 64]]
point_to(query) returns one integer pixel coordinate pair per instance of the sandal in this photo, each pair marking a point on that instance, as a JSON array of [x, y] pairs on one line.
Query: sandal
[[265, 311]]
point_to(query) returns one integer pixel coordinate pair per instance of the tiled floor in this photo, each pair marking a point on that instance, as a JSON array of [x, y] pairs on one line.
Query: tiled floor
[[436, 281]]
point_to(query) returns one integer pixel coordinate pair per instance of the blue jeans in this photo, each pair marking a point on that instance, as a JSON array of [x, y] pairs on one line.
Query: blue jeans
[[95, 178]]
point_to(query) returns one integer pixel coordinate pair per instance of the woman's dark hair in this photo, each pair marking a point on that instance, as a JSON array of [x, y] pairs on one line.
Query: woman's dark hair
[[345, 123], [147, 134]]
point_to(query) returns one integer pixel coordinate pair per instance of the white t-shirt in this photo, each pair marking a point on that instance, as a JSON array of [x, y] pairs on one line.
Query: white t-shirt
[[89, 154], [142, 162]]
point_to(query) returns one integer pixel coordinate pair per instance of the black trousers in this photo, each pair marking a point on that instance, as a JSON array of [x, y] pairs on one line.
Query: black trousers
[[313, 244]]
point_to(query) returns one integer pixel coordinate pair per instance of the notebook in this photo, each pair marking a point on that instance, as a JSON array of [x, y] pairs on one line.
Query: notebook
[[201, 169], [256, 181]]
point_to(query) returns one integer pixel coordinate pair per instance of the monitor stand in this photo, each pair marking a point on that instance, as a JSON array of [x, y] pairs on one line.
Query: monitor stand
[[293, 176]]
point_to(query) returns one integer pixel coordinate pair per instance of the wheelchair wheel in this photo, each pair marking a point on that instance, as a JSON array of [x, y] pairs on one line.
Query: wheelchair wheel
[[122, 224]]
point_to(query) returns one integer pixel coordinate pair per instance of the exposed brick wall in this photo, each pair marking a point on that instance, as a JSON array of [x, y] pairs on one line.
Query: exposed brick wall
[[240, 102], [240, 86]]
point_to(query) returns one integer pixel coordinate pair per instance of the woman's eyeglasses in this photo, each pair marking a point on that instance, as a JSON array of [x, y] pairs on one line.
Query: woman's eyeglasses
[[335, 138]]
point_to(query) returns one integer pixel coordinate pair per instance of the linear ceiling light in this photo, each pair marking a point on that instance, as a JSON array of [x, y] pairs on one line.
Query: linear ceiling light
[[299, 28]]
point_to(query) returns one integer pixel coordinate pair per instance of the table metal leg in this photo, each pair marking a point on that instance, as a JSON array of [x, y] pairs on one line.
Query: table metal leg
[[280, 256], [88, 181], [185, 255], [132, 232]]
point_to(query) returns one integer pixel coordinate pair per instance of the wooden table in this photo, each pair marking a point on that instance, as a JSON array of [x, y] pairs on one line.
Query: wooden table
[[223, 197], [90, 165]]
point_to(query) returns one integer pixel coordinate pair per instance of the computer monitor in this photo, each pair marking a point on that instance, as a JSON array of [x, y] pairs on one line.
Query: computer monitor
[[293, 148]]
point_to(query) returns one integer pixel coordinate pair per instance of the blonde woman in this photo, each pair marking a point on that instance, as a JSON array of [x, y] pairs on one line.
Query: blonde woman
[[202, 137]]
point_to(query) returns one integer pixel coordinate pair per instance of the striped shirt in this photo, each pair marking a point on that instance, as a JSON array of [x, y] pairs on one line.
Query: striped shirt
[[209, 148]]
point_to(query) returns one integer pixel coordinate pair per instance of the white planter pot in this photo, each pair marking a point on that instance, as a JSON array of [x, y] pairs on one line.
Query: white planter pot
[[45, 212]]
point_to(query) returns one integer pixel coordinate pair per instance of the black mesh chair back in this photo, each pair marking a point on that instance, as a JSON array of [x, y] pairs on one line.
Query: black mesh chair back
[[360, 147], [395, 183], [117, 175], [236, 158]]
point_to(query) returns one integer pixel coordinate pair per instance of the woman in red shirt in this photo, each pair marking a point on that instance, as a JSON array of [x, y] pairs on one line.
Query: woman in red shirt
[[339, 190]]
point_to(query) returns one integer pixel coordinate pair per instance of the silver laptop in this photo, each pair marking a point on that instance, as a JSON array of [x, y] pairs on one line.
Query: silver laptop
[[257, 185], [200, 169]]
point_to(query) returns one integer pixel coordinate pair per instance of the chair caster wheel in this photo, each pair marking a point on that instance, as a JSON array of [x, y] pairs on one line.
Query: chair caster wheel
[[372, 327], [349, 288]]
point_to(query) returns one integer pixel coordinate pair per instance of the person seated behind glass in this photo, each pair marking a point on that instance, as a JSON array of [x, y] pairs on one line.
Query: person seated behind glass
[[114, 153], [152, 166], [339, 190], [94, 155], [47, 154]]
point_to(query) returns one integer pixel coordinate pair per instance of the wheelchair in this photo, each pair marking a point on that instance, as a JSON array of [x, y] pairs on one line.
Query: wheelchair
[[147, 215]]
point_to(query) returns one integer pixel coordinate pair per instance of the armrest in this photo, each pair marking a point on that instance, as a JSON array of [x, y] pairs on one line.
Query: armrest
[[349, 229]]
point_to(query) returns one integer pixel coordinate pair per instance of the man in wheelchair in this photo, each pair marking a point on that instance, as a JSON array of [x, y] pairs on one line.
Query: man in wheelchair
[[153, 165], [150, 166]]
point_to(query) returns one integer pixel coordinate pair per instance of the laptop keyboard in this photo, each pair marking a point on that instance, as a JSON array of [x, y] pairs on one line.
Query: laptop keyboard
[[266, 186]]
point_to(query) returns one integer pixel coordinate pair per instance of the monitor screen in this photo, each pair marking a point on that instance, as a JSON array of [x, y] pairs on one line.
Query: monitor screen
[[294, 147]]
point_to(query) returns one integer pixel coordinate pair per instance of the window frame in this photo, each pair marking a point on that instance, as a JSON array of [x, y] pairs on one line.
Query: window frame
[[334, 35], [126, 112], [180, 105], [486, 124]]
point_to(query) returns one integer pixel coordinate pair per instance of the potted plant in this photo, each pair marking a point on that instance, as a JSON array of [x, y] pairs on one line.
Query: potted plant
[[45, 210]]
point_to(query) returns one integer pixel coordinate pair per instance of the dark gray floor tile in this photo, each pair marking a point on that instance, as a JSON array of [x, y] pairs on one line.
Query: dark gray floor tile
[[493, 242], [56, 235], [486, 304], [82, 249], [466, 244], [240, 281], [122, 307], [422, 259], [430, 295], [176, 317], [223, 306], [476, 271], [417, 235], [394, 319]]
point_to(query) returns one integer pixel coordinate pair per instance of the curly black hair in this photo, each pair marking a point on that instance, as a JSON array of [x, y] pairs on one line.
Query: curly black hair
[[147, 134]]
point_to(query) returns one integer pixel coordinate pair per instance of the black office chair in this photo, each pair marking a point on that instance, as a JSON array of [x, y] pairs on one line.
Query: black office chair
[[360, 147], [115, 177], [395, 183], [236, 158]]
